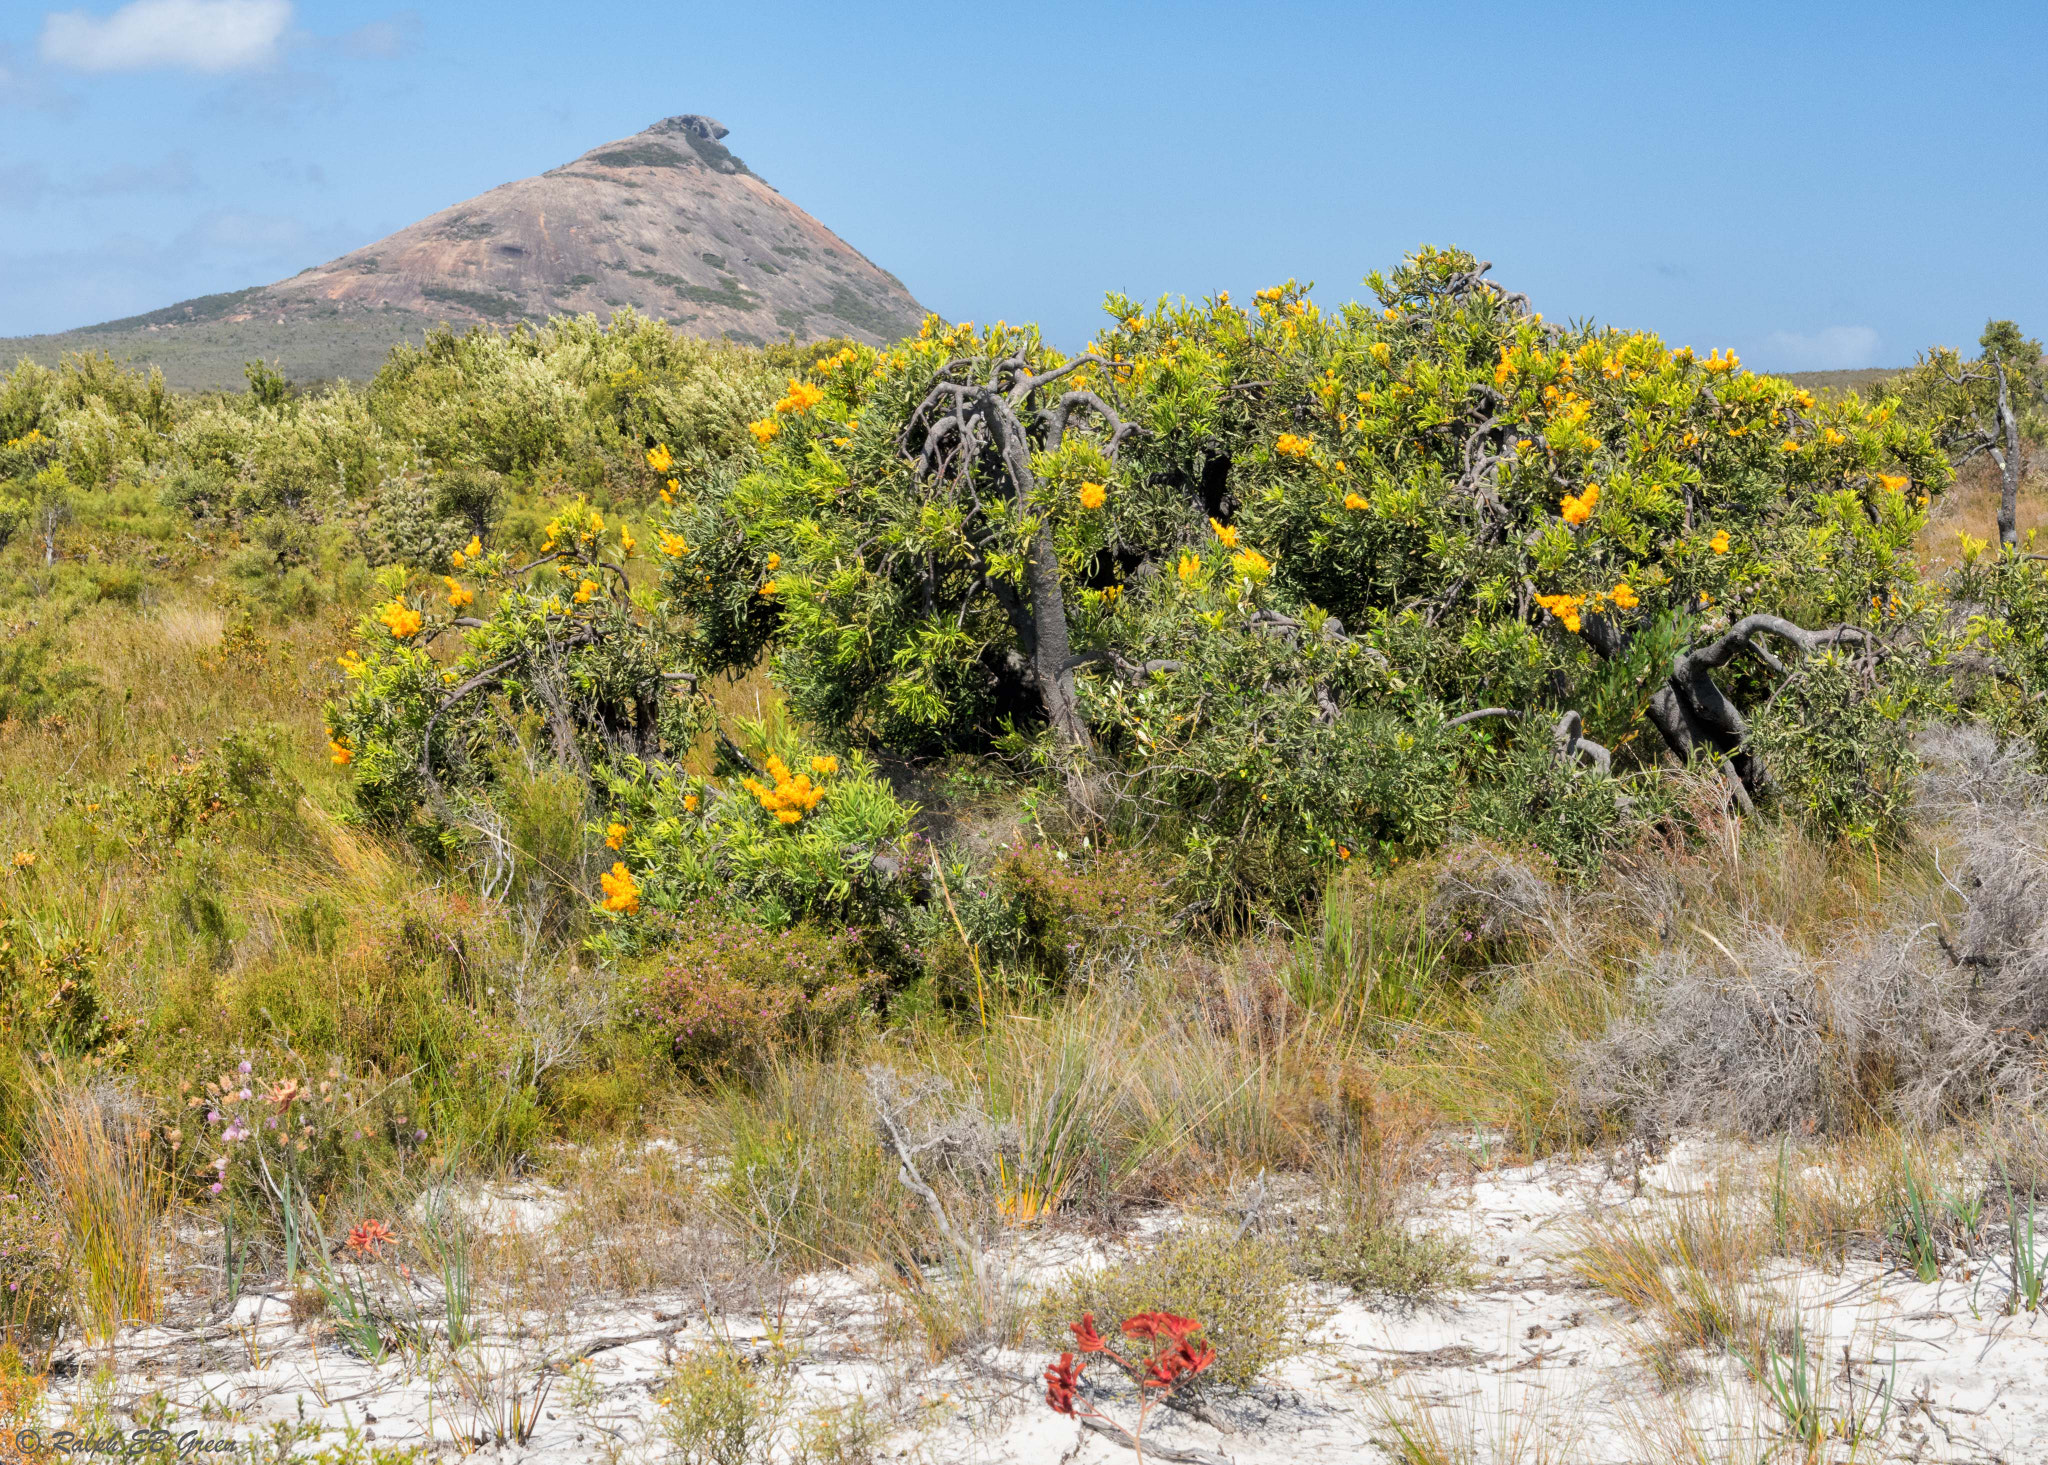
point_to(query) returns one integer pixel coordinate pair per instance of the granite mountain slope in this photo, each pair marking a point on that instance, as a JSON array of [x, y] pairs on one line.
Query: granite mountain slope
[[668, 221]]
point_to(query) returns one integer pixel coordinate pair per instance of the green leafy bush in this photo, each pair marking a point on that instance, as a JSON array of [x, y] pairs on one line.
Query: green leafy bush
[[730, 993], [1289, 586]]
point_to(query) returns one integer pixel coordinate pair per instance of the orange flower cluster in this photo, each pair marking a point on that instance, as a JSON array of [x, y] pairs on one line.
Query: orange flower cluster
[[401, 619], [1093, 495], [621, 890], [801, 397], [793, 796], [1565, 607], [1290, 445], [1578, 508]]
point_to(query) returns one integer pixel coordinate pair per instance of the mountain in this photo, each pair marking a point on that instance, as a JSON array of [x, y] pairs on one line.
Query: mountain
[[668, 221]]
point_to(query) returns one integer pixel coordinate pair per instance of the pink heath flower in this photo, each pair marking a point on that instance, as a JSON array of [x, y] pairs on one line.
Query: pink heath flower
[[214, 1189], [243, 1067]]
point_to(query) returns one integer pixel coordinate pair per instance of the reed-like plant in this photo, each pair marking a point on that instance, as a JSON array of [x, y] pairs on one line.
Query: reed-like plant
[[90, 1150]]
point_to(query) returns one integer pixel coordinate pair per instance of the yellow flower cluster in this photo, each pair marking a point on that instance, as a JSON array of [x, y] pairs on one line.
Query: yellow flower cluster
[[474, 550], [764, 431], [1357, 501], [401, 619], [674, 545], [1251, 564], [1578, 508], [338, 749], [1719, 363], [1189, 567], [615, 835], [1565, 607], [459, 594], [579, 519], [1226, 534], [621, 890], [1624, 597], [846, 356], [585, 592], [801, 397], [1093, 495], [1893, 482], [1719, 543], [1288, 445], [794, 795], [660, 459]]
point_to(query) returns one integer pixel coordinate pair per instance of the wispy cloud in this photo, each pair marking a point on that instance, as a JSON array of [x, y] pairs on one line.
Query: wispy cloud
[[1833, 348], [27, 185], [186, 35], [123, 275], [22, 87], [381, 40]]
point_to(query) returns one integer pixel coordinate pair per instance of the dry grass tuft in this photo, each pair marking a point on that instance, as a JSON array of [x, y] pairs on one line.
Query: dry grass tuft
[[1687, 1271], [91, 1153]]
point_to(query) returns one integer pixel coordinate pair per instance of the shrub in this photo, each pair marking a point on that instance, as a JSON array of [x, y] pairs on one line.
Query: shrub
[[720, 1409], [1242, 1289], [1255, 573], [1040, 914], [730, 992], [34, 1275], [1840, 759], [53, 1001], [278, 1142]]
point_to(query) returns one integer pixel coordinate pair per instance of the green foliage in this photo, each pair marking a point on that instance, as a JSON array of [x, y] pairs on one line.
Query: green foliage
[[1841, 757], [730, 993], [53, 1000], [810, 836], [1037, 916], [31, 688], [1331, 534], [1957, 400], [718, 1408]]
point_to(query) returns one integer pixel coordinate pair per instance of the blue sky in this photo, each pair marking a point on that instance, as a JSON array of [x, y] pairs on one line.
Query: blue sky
[[1815, 185]]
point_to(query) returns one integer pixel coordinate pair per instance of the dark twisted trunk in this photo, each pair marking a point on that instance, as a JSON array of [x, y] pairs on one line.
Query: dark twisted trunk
[[1046, 640], [1694, 714]]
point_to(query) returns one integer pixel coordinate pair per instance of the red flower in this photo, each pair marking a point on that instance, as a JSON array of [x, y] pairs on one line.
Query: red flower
[[1151, 1327], [1181, 1360], [1085, 1336], [368, 1237], [1061, 1380]]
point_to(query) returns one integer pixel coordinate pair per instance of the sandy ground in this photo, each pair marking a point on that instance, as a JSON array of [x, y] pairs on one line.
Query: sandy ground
[[1528, 1364]]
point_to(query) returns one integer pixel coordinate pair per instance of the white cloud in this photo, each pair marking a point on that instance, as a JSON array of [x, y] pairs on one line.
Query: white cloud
[[1834, 348], [193, 35]]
